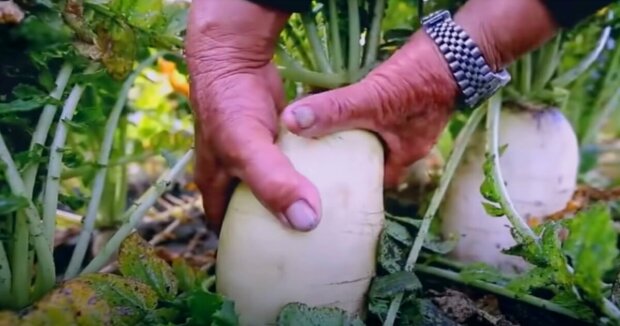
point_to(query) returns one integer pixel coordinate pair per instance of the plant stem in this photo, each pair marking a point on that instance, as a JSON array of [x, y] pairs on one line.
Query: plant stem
[[5, 277], [102, 161], [52, 182], [374, 36], [354, 39], [21, 254], [548, 60], [121, 181], [293, 71], [301, 49], [611, 310], [600, 118], [499, 290], [45, 121], [444, 261], [335, 36], [137, 211], [525, 71], [459, 148], [313, 78], [569, 76], [20, 288], [610, 81], [45, 261], [121, 161], [493, 117], [312, 32]]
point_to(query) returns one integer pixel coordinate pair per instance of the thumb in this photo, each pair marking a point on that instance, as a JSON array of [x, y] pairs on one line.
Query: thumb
[[349, 107]]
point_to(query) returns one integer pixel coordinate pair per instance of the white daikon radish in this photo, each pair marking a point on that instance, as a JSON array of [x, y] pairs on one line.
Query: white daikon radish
[[262, 264], [539, 167]]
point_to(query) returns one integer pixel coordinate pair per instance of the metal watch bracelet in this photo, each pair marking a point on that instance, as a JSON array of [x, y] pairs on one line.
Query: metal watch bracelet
[[475, 78]]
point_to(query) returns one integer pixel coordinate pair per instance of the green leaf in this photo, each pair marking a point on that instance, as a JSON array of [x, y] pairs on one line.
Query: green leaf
[[535, 278], [118, 45], [20, 105], [94, 299], [27, 158], [11, 203], [405, 220], [25, 91], [27, 98], [553, 254], [139, 13], [391, 255], [299, 314], [488, 190], [390, 285], [189, 278], [137, 259], [591, 246], [398, 232], [433, 243], [74, 201], [72, 158], [206, 308], [493, 210], [569, 300], [226, 316], [87, 117], [527, 249], [483, 272], [129, 300], [175, 18]]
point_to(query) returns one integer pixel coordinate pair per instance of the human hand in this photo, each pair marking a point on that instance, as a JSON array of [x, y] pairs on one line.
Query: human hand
[[406, 101], [236, 95]]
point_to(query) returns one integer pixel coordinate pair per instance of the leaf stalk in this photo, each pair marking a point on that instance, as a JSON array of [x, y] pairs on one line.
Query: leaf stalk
[[77, 258], [134, 214], [459, 148]]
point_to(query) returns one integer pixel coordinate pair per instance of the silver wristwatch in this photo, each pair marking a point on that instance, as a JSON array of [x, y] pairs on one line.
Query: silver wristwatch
[[476, 80]]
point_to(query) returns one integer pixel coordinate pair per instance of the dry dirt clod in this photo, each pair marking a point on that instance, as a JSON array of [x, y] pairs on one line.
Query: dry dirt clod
[[456, 305], [10, 13]]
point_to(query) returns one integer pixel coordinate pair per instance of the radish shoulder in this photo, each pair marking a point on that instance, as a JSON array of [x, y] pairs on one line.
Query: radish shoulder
[[262, 265]]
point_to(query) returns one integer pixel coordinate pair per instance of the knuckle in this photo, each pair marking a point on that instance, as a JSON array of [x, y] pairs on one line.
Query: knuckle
[[393, 97], [276, 190]]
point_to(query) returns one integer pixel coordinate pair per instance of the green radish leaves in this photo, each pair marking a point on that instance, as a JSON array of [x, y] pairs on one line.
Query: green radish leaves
[[569, 300], [483, 272], [138, 260], [591, 247], [571, 261], [298, 314], [390, 285], [489, 190], [10, 203], [398, 236], [148, 291]]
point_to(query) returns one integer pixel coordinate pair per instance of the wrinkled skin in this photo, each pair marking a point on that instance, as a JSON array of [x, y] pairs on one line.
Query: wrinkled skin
[[238, 100]]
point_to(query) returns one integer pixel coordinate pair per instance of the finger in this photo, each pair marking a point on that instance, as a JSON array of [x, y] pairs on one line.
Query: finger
[[278, 186], [345, 108], [274, 82], [216, 195]]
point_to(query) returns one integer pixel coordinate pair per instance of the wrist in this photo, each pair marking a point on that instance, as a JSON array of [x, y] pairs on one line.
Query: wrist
[[506, 29], [416, 77]]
